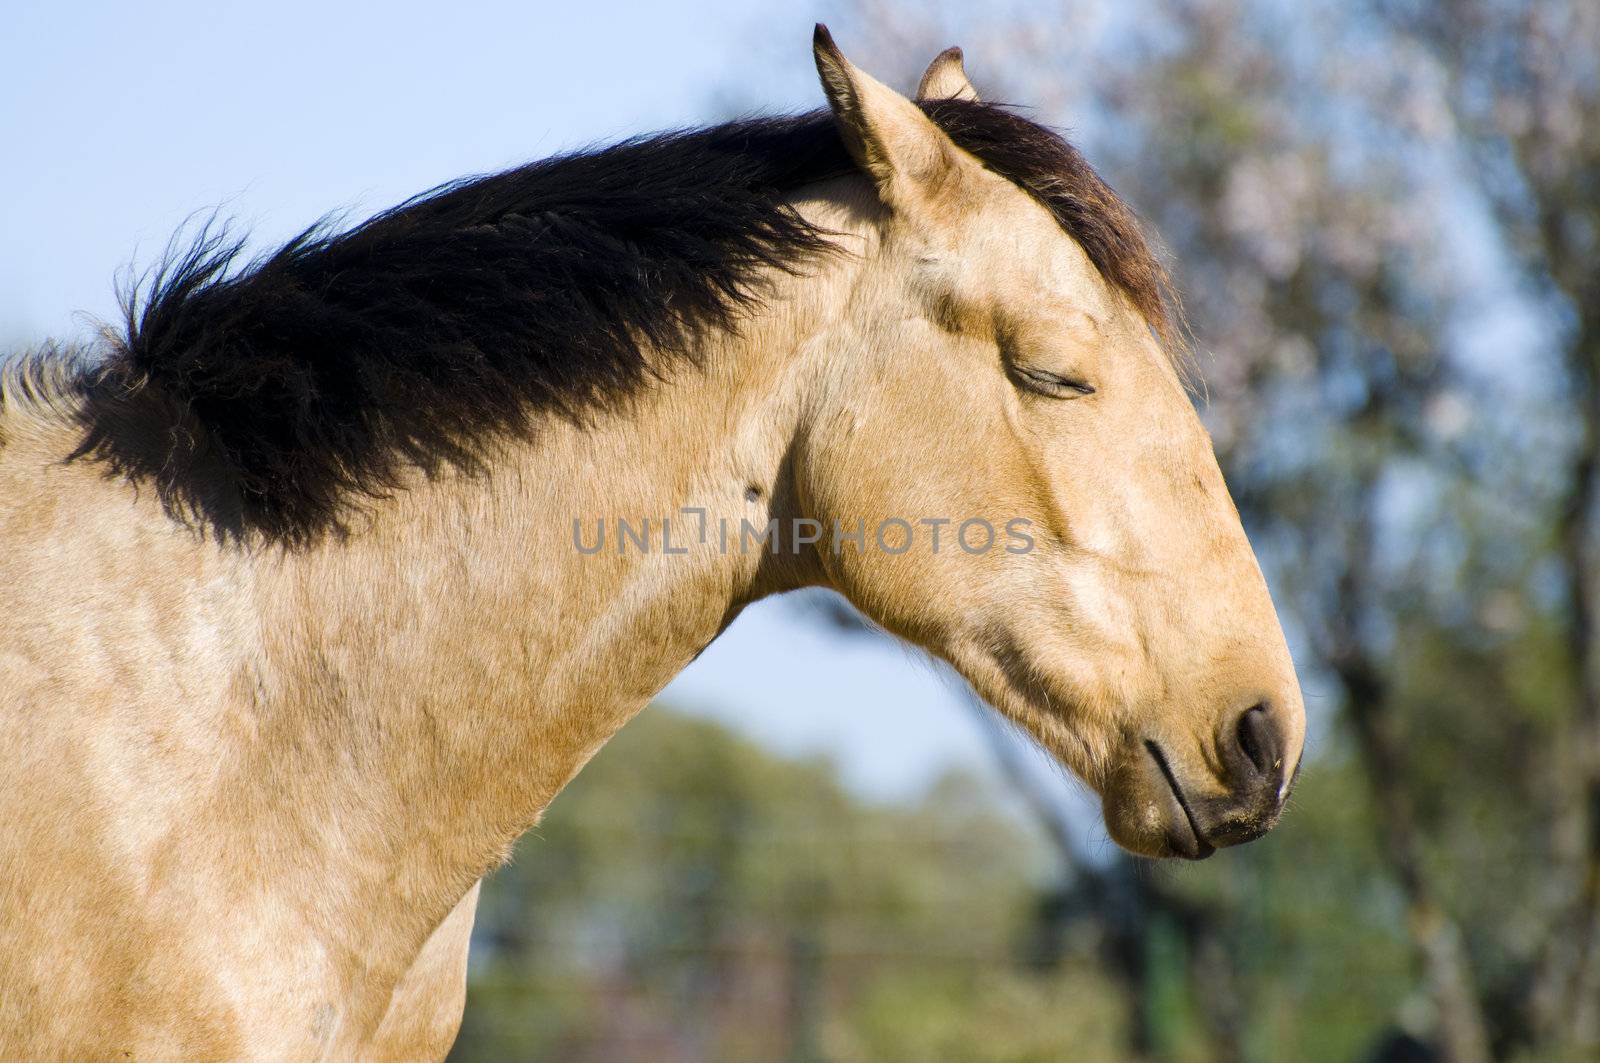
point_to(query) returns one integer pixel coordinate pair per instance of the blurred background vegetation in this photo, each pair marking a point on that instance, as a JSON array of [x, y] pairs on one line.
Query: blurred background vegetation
[[1384, 216]]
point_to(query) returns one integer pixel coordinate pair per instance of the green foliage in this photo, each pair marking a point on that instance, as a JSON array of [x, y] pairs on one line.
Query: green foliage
[[1317, 931], [692, 896], [981, 1014]]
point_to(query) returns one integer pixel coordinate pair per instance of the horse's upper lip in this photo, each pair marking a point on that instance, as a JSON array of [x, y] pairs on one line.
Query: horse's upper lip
[[1191, 844]]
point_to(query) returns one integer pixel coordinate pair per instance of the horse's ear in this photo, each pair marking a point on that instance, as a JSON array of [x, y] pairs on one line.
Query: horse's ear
[[946, 79], [888, 135]]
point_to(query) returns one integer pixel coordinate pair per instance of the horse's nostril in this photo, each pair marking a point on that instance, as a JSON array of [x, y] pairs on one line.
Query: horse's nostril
[[1258, 739]]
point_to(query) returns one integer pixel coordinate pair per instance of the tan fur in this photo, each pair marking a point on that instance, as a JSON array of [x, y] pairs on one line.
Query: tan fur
[[249, 792], [946, 78]]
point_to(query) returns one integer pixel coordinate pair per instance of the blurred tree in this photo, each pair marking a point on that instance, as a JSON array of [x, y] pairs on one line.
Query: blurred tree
[[691, 897], [1384, 216], [1522, 84]]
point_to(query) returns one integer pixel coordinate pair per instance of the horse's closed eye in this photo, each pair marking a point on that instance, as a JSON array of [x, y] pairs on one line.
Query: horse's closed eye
[[1051, 385]]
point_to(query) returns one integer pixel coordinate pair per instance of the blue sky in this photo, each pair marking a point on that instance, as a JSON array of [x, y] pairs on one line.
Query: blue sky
[[120, 121]]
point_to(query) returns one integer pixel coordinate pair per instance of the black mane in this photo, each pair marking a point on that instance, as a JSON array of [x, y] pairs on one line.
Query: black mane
[[277, 389]]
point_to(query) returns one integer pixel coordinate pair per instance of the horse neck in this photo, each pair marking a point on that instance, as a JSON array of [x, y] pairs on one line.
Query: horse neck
[[473, 657]]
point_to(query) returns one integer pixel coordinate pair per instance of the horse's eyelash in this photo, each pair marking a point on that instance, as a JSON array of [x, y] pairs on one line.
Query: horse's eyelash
[[1039, 379]]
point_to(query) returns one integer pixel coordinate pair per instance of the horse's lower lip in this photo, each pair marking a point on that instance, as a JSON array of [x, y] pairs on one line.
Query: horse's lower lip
[[1189, 842]]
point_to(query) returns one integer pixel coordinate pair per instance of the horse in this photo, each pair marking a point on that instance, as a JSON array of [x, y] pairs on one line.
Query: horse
[[309, 606]]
